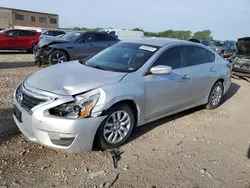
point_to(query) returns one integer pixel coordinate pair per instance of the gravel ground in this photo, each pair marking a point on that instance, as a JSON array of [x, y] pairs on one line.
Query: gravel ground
[[197, 148]]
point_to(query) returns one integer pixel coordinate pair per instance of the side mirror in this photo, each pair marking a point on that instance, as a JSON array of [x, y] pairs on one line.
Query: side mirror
[[161, 69]]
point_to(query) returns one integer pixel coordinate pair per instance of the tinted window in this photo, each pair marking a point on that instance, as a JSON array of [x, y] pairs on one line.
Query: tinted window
[[43, 20], [195, 56], [100, 38], [211, 56], [33, 18], [53, 21], [24, 33], [171, 57], [19, 17], [87, 38], [110, 38], [13, 33], [32, 33]]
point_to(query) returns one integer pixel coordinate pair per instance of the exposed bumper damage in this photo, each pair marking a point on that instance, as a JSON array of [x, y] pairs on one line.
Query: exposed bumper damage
[[241, 61], [42, 55]]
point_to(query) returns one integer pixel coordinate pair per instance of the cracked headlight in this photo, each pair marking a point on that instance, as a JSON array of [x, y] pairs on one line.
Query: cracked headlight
[[80, 108]]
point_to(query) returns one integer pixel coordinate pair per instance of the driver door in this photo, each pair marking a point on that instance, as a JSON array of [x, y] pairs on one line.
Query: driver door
[[168, 93], [84, 47]]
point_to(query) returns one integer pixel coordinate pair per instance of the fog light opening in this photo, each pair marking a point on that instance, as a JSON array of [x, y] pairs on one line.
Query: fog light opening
[[61, 139]]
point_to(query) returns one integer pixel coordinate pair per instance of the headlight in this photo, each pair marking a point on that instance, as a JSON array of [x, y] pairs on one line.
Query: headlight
[[80, 108]]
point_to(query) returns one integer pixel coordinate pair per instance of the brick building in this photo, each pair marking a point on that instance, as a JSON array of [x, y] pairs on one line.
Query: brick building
[[23, 18]]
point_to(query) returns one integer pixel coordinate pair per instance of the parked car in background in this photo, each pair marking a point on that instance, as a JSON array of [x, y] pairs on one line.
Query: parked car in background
[[123, 34], [241, 59], [72, 46], [218, 47], [207, 43], [230, 48], [1, 29], [101, 100], [53, 32], [18, 39], [194, 40]]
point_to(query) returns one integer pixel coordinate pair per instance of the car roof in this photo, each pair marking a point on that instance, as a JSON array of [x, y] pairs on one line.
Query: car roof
[[10, 29], [158, 41]]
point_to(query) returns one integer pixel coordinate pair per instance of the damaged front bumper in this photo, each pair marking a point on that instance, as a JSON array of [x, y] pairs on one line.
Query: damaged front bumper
[[241, 65], [42, 55]]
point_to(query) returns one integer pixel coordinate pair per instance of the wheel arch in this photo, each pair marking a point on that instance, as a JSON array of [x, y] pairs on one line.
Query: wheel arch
[[63, 50]]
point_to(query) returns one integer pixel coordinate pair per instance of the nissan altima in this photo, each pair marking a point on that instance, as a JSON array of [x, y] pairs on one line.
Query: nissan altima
[[100, 100]]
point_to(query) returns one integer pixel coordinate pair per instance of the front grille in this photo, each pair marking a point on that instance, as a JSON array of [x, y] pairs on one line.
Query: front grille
[[27, 101]]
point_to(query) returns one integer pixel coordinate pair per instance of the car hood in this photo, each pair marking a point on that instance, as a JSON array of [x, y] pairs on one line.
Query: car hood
[[46, 40], [243, 46], [71, 78]]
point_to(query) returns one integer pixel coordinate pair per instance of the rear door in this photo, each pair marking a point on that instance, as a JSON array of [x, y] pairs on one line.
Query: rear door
[[11, 40], [203, 71], [84, 46], [26, 39]]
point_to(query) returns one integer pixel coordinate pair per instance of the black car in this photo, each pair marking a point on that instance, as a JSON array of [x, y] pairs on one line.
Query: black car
[[72, 46], [241, 60]]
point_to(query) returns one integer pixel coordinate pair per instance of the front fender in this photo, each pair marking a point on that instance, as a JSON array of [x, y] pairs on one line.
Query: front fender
[[125, 91]]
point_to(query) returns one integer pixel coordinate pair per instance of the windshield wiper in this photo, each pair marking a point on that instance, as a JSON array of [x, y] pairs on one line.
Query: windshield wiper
[[100, 67]]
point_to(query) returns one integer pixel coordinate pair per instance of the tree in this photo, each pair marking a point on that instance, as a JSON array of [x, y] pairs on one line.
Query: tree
[[137, 29], [203, 35]]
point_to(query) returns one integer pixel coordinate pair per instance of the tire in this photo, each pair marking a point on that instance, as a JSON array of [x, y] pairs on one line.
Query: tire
[[32, 49], [214, 104], [58, 55], [115, 129]]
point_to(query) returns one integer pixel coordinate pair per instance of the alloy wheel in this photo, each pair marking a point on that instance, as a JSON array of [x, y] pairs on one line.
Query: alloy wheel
[[117, 127], [216, 95], [59, 58]]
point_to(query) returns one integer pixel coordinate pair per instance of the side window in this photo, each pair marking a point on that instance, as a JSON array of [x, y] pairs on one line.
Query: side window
[[87, 38], [110, 38], [195, 56], [171, 57], [13, 33], [211, 56], [24, 33], [32, 33], [100, 38]]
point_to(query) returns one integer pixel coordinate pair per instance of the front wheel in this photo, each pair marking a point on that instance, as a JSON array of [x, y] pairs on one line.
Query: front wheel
[[116, 129], [215, 96], [57, 57]]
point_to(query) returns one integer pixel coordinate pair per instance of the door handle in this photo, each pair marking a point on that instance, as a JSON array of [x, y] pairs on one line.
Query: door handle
[[213, 69], [186, 77]]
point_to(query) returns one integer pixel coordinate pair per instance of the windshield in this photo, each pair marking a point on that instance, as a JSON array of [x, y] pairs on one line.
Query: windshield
[[219, 43], [123, 57], [207, 43], [71, 36]]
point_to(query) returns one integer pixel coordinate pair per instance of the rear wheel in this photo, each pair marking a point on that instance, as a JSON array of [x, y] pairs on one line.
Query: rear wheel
[[31, 50], [57, 57], [116, 129], [215, 96]]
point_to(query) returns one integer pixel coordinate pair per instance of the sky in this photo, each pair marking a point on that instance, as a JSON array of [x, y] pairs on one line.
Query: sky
[[227, 19]]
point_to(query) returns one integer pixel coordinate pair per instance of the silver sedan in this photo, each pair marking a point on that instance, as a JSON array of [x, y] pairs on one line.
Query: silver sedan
[[102, 99]]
